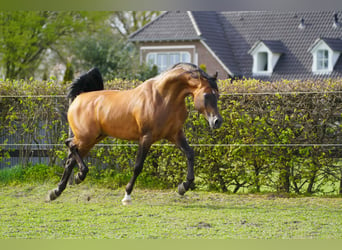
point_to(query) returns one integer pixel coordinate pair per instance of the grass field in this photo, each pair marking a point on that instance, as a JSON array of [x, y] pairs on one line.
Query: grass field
[[88, 212]]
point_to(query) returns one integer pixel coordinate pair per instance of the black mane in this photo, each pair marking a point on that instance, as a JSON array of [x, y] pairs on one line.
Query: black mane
[[192, 68]]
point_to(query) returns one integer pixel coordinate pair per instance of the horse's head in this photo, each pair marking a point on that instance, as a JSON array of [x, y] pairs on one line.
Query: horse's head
[[205, 92], [205, 99]]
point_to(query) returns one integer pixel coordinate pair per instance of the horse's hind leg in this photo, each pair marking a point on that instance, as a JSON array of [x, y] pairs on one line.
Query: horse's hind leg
[[70, 163], [74, 157], [82, 166]]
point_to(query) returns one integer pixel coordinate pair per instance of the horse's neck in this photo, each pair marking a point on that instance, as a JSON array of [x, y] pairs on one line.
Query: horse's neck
[[174, 89]]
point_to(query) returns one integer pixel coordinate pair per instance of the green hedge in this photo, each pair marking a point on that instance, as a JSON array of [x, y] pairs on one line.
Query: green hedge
[[268, 141]]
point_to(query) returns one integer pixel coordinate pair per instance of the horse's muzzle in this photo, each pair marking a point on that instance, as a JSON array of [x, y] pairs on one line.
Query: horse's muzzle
[[215, 121]]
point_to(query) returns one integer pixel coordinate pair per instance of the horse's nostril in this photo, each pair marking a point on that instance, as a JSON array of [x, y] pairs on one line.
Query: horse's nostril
[[217, 122]]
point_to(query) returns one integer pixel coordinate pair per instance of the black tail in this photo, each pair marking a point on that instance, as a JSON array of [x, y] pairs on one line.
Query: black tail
[[90, 81]]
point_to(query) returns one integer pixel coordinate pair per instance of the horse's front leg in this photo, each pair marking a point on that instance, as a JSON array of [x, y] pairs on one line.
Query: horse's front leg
[[182, 143], [144, 146]]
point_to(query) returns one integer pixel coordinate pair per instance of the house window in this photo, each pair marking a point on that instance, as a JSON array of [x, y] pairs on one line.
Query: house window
[[265, 55], [164, 60], [325, 53], [322, 60], [262, 61]]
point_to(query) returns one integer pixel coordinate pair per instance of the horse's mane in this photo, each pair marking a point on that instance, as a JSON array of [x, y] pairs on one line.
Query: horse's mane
[[186, 66], [196, 72]]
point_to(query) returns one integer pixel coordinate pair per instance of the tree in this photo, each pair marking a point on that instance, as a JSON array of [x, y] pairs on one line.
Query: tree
[[112, 55], [126, 22], [26, 35], [33, 41], [69, 73]]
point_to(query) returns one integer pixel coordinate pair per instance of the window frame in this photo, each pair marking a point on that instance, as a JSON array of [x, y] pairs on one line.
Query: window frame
[[169, 61], [330, 58], [262, 62], [316, 64], [322, 59]]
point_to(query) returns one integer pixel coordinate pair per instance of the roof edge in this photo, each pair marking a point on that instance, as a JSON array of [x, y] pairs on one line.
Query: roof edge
[[265, 42], [165, 40], [217, 58], [325, 40], [145, 26], [193, 21]]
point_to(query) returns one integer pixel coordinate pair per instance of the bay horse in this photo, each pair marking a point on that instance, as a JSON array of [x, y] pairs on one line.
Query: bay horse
[[154, 110]]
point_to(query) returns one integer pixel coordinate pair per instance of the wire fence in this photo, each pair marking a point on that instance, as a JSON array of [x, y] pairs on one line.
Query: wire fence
[[221, 94], [13, 144]]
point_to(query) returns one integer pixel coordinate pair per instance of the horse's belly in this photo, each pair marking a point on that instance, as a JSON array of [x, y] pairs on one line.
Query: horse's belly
[[121, 128], [124, 134]]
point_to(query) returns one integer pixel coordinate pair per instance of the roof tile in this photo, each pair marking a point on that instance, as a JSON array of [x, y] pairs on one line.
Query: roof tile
[[170, 26]]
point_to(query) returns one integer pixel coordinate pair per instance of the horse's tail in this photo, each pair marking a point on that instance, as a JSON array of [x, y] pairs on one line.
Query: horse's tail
[[90, 81]]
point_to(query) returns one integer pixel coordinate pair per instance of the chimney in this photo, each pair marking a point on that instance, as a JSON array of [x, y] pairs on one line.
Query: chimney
[[336, 23], [302, 24]]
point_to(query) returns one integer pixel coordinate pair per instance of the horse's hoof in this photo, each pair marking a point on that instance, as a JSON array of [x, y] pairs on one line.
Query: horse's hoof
[[181, 189], [77, 179], [52, 195], [126, 200]]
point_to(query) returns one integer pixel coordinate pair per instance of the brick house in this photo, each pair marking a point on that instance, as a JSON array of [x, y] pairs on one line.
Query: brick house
[[260, 44]]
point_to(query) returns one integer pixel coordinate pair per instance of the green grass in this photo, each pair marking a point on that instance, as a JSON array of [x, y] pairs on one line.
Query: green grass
[[92, 212], [31, 173]]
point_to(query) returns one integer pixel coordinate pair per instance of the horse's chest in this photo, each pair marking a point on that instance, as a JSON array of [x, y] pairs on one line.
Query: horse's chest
[[168, 123]]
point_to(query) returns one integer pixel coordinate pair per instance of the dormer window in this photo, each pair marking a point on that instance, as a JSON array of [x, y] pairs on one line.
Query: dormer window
[[262, 62], [265, 56], [325, 53], [322, 59]]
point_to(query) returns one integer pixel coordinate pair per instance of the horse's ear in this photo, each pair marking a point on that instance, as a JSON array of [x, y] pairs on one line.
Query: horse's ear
[[215, 75]]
